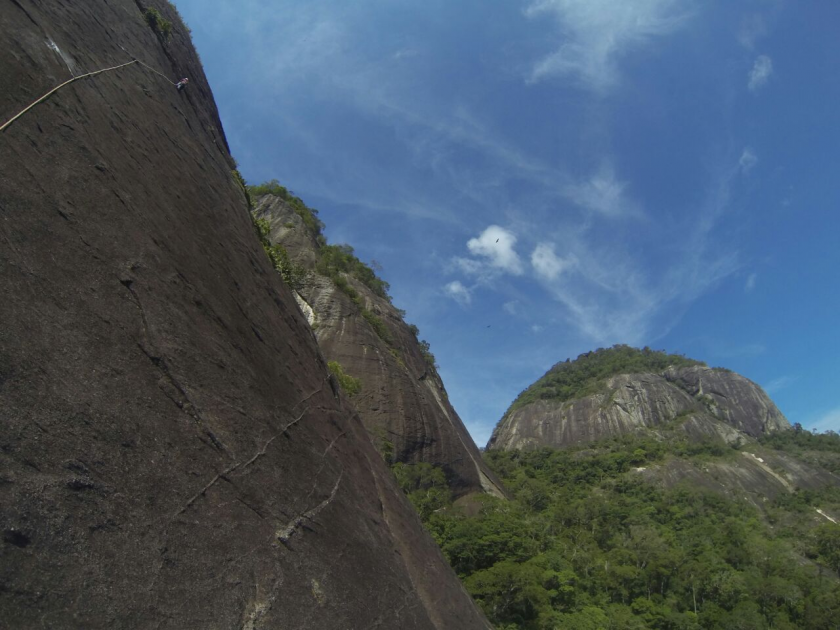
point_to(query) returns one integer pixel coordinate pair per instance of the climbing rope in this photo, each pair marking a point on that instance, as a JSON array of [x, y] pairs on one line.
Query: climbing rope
[[82, 76]]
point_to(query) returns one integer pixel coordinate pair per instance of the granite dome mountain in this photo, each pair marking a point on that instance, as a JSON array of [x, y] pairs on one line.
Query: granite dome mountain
[[620, 390], [623, 392]]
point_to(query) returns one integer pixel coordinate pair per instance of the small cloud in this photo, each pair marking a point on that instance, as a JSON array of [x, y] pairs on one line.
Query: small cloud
[[458, 292], [749, 285], [547, 264], [495, 244], [748, 160], [537, 329], [511, 308], [761, 71], [778, 384], [603, 194], [406, 53], [829, 421]]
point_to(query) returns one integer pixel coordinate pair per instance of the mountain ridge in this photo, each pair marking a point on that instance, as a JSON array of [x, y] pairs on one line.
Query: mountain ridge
[[402, 399]]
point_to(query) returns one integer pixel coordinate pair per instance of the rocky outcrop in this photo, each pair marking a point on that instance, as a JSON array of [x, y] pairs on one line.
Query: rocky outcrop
[[402, 401], [755, 475], [171, 452], [735, 400], [702, 402]]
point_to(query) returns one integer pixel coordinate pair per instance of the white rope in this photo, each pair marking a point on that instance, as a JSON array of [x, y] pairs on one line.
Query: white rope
[[83, 76]]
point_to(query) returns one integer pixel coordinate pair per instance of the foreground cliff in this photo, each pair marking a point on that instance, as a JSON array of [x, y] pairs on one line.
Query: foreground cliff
[[401, 397], [172, 454]]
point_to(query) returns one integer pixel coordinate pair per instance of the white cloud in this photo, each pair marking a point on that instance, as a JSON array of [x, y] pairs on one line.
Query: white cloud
[[511, 308], [458, 292], [596, 33], [748, 160], [829, 421], [603, 194], [495, 244], [761, 71], [778, 384], [749, 285], [547, 264]]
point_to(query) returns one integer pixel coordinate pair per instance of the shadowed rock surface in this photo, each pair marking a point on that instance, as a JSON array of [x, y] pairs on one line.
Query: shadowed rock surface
[[171, 454], [704, 402], [402, 400]]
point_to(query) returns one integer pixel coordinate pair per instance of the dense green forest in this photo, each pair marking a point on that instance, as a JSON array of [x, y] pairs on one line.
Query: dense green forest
[[587, 545], [585, 375]]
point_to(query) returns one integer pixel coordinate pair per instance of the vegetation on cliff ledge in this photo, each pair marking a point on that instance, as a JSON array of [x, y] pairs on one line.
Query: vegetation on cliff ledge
[[349, 384], [585, 375], [336, 262]]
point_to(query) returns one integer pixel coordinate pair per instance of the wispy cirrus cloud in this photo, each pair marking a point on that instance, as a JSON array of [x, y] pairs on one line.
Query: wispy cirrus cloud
[[547, 264], [778, 384], [603, 194], [753, 27], [828, 421], [761, 72], [595, 34]]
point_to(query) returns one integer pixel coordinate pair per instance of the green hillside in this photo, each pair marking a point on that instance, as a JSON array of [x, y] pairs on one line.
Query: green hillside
[[587, 545]]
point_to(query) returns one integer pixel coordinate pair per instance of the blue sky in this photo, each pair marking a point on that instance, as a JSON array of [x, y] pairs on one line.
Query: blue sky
[[540, 178]]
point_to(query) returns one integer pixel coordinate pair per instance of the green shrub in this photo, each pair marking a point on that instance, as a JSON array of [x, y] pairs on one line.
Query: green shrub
[[293, 274], [158, 23], [426, 351], [180, 17], [350, 385], [336, 259], [309, 215], [271, 187], [237, 176], [425, 485], [378, 326], [383, 444]]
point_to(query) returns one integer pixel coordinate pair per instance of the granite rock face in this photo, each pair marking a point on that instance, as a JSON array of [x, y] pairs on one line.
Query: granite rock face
[[704, 402], [171, 452], [402, 401], [732, 398]]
